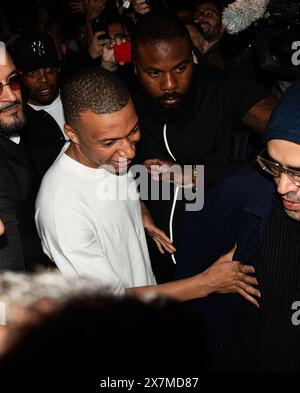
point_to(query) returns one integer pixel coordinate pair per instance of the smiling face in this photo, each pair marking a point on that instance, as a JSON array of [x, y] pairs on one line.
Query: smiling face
[[165, 70], [42, 85], [287, 154], [105, 140], [12, 118], [209, 18]]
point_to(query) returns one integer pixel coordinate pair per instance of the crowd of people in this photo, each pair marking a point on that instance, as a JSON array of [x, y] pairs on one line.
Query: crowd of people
[[83, 245]]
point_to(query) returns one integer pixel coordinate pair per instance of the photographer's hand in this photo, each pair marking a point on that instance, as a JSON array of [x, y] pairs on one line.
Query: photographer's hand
[[76, 6], [96, 45], [141, 6], [108, 58], [94, 8]]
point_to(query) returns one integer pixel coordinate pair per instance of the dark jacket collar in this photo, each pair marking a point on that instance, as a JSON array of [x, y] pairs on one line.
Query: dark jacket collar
[[262, 201], [15, 152]]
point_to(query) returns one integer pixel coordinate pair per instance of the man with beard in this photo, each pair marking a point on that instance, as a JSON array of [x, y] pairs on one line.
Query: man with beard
[[19, 246], [188, 113], [246, 210], [88, 211], [36, 56], [208, 15]]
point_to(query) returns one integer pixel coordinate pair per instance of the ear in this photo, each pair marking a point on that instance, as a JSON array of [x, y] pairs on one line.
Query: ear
[[71, 134]]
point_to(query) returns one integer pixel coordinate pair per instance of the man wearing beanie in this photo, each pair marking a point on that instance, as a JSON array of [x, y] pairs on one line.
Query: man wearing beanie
[[257, 210], [36, 56]]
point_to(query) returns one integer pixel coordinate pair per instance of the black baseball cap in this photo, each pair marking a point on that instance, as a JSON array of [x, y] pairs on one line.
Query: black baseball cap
[[35, 50]]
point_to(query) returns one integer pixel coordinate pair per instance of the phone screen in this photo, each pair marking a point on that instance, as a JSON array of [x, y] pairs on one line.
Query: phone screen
[[123, 52]]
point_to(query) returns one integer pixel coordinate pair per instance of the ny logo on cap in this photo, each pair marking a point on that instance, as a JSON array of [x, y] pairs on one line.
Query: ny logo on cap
[[38, 48]]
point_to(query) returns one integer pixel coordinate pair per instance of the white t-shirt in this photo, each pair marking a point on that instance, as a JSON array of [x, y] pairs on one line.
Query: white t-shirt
[[55, 109], [84, 234]]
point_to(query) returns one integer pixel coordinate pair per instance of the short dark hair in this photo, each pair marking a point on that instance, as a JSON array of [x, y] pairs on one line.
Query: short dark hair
[[157, 27], [94, 90]]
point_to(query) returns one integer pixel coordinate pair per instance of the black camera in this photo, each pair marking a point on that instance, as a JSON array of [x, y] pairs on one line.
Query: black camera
[[284, 11], [278, 51], [278, 44]]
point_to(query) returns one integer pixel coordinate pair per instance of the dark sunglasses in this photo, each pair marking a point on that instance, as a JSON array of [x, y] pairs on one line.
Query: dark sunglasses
[[14, 83]]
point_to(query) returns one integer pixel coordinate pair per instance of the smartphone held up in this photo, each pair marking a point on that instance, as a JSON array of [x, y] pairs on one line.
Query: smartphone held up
[[122, 52]]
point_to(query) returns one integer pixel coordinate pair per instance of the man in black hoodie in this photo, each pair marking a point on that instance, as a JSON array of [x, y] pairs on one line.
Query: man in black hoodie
[[188, 113]]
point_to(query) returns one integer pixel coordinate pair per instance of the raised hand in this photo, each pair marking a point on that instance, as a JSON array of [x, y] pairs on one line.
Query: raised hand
[[94, 8], [108, 57], [141, 6], [77, 6], [96, 45]]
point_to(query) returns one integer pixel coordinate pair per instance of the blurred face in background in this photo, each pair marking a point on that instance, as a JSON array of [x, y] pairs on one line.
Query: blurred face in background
[[210, 19], [42, 85]]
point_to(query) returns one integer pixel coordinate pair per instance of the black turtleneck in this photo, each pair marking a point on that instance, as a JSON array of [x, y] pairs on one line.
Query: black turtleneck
[[269, 340]]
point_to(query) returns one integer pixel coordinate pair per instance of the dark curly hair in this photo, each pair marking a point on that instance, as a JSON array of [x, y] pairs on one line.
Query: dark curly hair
[[157, 27], [94, 90]]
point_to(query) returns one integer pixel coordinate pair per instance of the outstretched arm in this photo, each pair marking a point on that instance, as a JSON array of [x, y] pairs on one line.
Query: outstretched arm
[[224, 276]]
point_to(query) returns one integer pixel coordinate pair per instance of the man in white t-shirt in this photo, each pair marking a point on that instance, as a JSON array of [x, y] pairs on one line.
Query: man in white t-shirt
[[88, 212]]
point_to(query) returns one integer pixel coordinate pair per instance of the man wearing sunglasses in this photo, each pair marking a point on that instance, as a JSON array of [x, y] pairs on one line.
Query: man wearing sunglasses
[[19, 246], [257, 209]]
